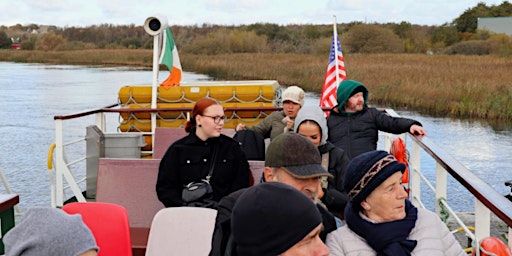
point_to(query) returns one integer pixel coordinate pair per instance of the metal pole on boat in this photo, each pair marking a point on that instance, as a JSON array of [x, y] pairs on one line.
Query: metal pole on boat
[[155, 86], [154, 26], [8, 189], [336, 49]]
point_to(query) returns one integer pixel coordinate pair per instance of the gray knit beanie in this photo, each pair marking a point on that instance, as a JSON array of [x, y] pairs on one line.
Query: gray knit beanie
[[49, 231]]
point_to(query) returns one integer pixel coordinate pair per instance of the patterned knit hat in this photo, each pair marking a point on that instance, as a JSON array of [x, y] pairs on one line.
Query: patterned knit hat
[[49, 231], [367, 171], [270, 218]]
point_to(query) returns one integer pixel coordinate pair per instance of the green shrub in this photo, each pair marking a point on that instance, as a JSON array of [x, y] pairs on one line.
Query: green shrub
[[500, 45], [371, 38], [473, 47]]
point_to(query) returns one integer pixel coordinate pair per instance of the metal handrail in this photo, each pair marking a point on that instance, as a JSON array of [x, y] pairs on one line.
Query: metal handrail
[[487, 199]]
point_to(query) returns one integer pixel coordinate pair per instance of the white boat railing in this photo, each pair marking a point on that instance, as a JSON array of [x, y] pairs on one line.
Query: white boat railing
[[487, 200], [64, 178]]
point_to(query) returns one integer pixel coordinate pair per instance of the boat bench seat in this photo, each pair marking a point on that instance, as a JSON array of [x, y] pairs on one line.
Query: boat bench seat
[[131, 183], [7, 219]]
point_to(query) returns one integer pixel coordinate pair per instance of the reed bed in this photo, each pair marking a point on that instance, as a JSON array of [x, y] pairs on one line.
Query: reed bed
[[440, 85], [109, 57]]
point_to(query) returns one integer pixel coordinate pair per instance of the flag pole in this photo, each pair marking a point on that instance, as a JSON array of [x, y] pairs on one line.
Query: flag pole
[[336, 55], [155, 26], [154, 87], [156, 67]]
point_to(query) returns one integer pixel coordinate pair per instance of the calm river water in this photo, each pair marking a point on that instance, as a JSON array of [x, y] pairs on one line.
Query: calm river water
[[31, 94]]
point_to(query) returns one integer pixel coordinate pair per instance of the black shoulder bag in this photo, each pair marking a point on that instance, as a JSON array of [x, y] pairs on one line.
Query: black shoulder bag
[[200, 193]]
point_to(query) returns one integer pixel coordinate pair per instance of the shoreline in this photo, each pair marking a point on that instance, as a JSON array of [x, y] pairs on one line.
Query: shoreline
[[437, 85]]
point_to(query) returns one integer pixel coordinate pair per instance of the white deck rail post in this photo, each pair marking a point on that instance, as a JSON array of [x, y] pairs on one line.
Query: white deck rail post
[[100, 121], [482, 220], [414, 177], [61, 169], [59, 165], [441, 185], [509, 237]]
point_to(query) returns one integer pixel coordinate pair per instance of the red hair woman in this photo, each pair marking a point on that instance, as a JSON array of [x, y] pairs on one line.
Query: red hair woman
[[203, 152]]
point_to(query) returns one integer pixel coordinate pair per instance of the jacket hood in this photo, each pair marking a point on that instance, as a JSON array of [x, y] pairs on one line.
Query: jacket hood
[[346, 89], [315, 114]]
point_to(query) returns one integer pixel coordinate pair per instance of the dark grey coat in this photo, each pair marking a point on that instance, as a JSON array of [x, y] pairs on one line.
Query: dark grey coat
[[358, 133]]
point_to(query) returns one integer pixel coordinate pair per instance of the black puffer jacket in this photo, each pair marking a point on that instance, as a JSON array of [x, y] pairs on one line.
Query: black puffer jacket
[[358, 133], [188, 160]]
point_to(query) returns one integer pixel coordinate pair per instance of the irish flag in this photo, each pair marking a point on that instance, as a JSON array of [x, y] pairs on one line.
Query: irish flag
[[169, 57]]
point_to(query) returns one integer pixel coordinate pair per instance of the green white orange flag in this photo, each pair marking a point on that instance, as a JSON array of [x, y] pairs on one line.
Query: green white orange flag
[[169, 57]]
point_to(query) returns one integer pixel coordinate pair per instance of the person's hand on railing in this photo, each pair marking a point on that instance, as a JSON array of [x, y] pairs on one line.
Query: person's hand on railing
[[417, 130]]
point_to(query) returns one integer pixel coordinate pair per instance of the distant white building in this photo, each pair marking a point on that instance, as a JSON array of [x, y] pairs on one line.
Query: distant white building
[[496, 24]]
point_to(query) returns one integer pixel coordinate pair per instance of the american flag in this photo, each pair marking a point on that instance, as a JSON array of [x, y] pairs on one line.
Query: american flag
[[334, 75]]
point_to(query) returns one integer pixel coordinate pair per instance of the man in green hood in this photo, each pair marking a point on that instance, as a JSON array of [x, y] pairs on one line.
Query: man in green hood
[[354, 127]]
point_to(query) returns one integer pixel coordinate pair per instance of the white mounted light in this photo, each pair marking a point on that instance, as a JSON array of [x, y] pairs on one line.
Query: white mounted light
[[155, 24]]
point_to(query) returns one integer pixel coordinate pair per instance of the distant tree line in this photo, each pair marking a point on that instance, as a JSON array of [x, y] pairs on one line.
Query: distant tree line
[[458, 37]]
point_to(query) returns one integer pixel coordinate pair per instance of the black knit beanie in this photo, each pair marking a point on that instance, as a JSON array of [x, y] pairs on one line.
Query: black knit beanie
[[271, 217], [358, 89], [366, 172]]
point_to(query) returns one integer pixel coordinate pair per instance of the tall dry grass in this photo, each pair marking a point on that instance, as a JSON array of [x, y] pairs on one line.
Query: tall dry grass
[[122, 57], [442, 85]]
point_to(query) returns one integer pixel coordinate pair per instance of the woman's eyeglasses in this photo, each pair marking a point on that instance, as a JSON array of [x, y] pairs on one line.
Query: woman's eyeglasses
[[217, 119]]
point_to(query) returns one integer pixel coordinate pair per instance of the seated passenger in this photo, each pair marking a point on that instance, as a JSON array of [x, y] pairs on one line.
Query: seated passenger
[[311, 123], [279, 121], [204, 154], [380, 220], [276, 219], [50, 231], [299, 168]]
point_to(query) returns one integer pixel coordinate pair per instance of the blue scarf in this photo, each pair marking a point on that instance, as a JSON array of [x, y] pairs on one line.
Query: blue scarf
[[387, 238]]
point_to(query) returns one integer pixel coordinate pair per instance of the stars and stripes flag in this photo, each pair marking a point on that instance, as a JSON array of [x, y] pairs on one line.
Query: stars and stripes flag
[[169, 57], [335, 73]]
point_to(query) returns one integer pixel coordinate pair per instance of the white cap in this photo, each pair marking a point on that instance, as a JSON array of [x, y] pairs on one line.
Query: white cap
[[294, 94]]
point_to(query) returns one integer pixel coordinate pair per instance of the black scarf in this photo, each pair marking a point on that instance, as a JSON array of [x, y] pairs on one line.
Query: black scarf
[[387, 238]]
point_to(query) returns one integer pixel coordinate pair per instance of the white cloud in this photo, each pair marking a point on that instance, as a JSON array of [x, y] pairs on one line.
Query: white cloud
[[232, 12]]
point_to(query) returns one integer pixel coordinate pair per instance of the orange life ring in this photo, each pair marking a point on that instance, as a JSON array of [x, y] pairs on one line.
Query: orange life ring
[[399, 150], [493, 246]]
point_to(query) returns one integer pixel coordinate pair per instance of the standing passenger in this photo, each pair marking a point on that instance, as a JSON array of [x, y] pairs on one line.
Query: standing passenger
[[354, 127], [279, 121], [311, 123], [189, 159]]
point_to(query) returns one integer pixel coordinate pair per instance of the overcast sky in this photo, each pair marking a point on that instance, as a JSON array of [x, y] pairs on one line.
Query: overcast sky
[[67, 13]]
